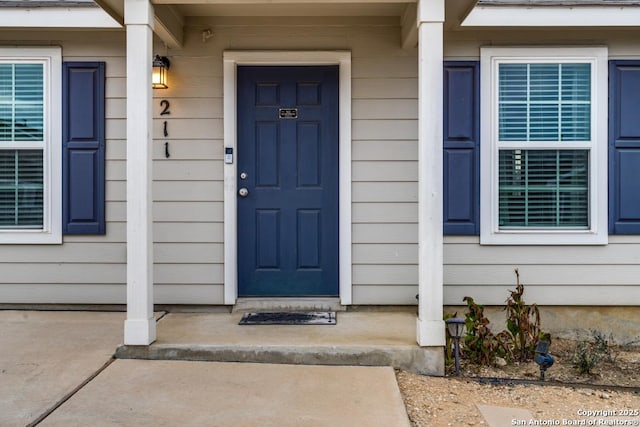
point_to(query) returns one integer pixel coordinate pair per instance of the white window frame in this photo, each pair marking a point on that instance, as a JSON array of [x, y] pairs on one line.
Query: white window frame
[[490, 233], [51, 231]]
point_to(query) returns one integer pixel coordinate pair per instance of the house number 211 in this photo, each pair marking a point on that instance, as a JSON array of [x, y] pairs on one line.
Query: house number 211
[[165, 112]]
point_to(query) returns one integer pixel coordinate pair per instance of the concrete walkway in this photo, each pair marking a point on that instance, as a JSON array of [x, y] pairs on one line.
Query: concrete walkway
[[176, 393], [56, 368]]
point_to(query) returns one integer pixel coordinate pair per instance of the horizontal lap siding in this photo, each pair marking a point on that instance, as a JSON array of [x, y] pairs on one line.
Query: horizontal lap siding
[[111, 51], [560, 275], [384, 130], [85, 269], [384, 188], [552, 275], [385, 175], [187, 194], [188, 187], [100, 281]]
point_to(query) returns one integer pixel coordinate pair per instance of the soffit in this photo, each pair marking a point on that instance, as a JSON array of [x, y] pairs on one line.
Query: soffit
[[290, 9]]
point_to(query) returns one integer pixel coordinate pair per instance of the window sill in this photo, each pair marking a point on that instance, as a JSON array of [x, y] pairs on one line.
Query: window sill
[[548, 238], [30, 238]]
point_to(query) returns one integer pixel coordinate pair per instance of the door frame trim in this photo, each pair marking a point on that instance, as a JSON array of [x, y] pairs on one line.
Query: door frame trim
[[231, 60]]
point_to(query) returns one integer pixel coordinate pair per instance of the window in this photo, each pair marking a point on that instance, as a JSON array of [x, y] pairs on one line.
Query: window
[[30, 150], [544, 142]]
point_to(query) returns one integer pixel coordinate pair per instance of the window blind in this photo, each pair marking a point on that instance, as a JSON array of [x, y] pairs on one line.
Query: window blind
[[21, 189], [544, 102], [543, 188], [21, 102], [21, 170]]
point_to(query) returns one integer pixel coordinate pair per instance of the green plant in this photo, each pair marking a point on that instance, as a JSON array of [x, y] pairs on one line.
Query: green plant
[[523, 323], [604, 345], [480, 344], [586, 356]]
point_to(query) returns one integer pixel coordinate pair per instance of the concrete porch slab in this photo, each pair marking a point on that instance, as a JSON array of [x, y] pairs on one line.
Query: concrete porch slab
[[359, 338], [179, 393]]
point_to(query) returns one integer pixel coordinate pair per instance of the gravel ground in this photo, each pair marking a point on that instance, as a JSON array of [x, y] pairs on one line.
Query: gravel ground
[[451, 401], [432, 401]]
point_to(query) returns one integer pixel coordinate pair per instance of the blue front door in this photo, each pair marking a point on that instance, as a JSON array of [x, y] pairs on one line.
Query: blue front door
[[287, 181]]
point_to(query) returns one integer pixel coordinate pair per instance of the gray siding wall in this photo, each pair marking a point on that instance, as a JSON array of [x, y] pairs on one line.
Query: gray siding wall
[[553, 275], [188, 187], [85, 269], [384, 131]]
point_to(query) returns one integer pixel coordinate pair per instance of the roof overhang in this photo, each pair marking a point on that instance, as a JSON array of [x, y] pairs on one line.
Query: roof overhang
[[553, 16], [170, 15]]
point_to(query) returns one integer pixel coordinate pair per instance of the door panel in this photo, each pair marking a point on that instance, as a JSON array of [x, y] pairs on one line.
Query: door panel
[[288, 149], [309, 232]]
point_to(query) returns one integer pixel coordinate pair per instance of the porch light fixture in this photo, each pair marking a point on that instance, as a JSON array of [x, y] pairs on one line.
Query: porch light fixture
[[455, 326], [161, 66]]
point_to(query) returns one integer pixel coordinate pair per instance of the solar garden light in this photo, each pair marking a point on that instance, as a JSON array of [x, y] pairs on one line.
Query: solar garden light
[[543, 358], [455, 326]]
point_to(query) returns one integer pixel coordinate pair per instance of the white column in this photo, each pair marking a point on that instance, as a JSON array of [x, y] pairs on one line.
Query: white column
[[430, 327], [140, 326]]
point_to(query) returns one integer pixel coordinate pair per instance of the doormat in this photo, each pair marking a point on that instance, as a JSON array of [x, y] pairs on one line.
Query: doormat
[[290, 318]]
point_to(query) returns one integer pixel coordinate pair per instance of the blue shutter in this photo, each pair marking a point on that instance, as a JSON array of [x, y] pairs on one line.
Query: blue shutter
[[83, 140], [461, 134], [624, 147]]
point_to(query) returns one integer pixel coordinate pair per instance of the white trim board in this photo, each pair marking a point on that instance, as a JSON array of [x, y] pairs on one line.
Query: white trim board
[[84, 17], [553, 16], [231, 60]]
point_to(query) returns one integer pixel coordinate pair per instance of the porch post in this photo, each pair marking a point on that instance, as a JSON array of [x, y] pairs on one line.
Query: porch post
[[430, 327], [140, 326]]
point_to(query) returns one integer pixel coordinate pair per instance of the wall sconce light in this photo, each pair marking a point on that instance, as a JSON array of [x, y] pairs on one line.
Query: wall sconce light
[[161, 66]]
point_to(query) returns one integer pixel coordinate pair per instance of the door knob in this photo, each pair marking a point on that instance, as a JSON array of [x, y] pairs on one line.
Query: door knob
[[243, 192]]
